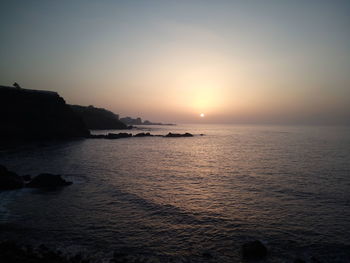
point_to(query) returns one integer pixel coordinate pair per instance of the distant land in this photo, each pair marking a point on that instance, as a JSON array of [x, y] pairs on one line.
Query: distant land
[[138, 121], [28, 114], [98, 118]]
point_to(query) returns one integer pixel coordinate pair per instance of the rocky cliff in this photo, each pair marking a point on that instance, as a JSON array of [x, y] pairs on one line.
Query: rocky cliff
[[33, 114], [98, 118]]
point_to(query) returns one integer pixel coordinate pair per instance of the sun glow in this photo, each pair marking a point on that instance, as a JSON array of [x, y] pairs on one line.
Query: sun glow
[[202, 115]]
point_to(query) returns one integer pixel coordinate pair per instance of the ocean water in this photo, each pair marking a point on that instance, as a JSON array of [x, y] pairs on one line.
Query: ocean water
[[189, 199]]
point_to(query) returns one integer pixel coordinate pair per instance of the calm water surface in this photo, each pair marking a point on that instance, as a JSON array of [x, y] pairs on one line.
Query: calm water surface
[[175, 199]]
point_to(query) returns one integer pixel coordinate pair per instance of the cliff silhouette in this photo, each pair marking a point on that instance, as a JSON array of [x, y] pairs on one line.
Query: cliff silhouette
[[139, 121], [98, 118], [35, 114]]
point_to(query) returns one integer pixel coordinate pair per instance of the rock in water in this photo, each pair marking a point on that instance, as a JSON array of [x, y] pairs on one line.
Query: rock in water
[[11, 252], [142, 134], [9, 180], [254, 250], [179, 135], [48, 181], [118, 135]]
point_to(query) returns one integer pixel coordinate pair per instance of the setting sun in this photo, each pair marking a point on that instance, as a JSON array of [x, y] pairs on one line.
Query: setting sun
[[202, 115]]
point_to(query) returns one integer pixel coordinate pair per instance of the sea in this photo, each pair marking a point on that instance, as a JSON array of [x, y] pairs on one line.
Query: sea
[[193, 199]]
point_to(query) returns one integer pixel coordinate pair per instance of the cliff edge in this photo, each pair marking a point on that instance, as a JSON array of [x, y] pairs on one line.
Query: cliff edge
[[36, 114], [98, 118]]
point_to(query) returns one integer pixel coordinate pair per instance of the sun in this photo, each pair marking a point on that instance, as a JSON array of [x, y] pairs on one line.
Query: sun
[[201, 115]]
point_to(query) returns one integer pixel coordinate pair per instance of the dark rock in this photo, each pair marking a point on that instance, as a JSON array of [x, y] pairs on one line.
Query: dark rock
[[179, 134], [47, 180], [120, 257], [299, 260], [142, 134], [207, 254], [26, 177], [3, 169], [254, 250], [138, 121], [11, 252], [315, 260], [118, 135], [112, 136], [37, 115], [9, 180], [98, 118], [131, 121]]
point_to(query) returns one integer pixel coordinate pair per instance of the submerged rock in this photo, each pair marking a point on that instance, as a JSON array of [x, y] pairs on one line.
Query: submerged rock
[[254, 250], [9, 180], [47, 180], [179, 134]]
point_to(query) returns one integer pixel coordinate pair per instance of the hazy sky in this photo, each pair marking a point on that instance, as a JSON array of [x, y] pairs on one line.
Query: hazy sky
[[235, 61]]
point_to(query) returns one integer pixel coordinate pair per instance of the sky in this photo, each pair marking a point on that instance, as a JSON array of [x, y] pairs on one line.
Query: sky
[[278, 62]]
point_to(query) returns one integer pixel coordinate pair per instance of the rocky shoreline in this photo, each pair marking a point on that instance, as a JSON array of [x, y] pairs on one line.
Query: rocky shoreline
[[121, 135], [10, 180], [38, 115]]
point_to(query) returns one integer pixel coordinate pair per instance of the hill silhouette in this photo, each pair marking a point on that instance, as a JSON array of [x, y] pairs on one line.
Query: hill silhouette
[[98, 118], [36, 114]]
